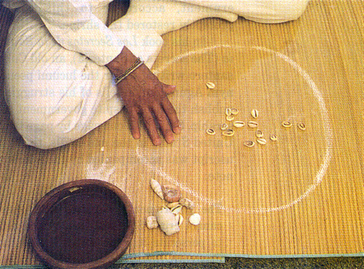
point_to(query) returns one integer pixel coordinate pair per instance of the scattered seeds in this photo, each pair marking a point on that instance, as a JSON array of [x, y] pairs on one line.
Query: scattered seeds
[[252, 124], [230, 117], [259, 133], [210, 85], [249, 144], [195, 219], [210, 131], [254, 113], [228, 132], [228, 111], [234, 111], [286, 124], [273, 137], [239, 123], [262, 141], [301, 126], [224, 126]]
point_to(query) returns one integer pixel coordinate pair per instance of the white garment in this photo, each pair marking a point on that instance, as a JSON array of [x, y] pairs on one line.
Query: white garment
[[56, 85]]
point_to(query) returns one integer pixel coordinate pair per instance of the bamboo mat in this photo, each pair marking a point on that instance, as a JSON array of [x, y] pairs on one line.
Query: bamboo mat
[[300, 196]]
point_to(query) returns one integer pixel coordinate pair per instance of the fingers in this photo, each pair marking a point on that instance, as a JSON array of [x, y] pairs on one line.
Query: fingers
[[172, 116], [134, 122], [151, 127], [168, 89], [164, 124]]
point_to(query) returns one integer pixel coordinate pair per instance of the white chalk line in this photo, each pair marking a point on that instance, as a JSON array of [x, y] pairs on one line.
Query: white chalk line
[[328, 134]]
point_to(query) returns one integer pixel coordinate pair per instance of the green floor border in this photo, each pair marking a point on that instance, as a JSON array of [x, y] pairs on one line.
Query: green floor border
[[127, 258]]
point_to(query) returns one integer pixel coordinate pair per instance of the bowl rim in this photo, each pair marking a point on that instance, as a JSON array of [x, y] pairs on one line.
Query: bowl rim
[[51, 197]]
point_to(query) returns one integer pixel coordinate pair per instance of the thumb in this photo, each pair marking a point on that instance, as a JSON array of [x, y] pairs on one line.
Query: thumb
[[168, 89]]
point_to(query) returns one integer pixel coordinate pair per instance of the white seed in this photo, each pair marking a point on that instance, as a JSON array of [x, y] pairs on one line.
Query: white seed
[[187, 203], [228, 132], [176, 210], [273, 137], [254, 113], [259, 133], [210, 85], [286, 124], [195, 219], [152, 222], [262, 141], [301, 126], [234, 111], [224, 126], [228, 111], [252, 124], [210, 131], [239, 123], [230, 117], [249, 144]]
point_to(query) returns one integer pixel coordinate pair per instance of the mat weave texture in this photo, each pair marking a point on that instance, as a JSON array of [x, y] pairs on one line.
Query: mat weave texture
[[300, 196]]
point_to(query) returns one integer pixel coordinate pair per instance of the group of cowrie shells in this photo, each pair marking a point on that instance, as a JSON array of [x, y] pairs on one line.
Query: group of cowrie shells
[[170, 217], [230, 117]]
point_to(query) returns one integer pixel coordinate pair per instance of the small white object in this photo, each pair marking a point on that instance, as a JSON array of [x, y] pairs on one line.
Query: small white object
[[195, 219]]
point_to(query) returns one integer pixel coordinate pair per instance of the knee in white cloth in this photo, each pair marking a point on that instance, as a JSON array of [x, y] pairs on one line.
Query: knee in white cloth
[[264, 11]]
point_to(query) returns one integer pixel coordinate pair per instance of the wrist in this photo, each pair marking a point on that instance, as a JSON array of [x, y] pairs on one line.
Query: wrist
[[122, 62]]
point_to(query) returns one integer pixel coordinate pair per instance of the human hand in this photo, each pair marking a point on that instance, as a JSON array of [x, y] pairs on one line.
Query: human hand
[[144, 95]]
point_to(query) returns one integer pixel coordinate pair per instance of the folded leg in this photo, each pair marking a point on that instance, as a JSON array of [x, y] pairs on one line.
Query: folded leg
[[55, 96], [264, 11]]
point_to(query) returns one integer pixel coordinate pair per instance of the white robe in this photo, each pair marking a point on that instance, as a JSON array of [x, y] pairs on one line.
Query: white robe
[[56, 85]]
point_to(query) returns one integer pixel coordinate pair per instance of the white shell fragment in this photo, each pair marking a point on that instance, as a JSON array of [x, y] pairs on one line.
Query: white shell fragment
[[179, 219], [286, 124], [187, 203], [301, 126], [210, 131], [152, 222], [239, 123], [195, 219], [252, 124], [210, 85], [156, 187], [177, 209], [167, 221], [261, 141], [254, 113]]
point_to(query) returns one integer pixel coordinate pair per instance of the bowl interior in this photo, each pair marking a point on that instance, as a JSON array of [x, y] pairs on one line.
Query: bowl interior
[[81, 223]]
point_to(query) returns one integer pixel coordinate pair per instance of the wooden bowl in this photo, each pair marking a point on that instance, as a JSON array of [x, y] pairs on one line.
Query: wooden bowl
[[82, 224]]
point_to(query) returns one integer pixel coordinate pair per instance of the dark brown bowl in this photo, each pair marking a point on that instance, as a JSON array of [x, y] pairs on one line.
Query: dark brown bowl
[[82, 224]]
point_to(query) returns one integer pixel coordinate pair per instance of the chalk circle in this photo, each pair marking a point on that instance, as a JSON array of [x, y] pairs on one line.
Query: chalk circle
[[294, 197]]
